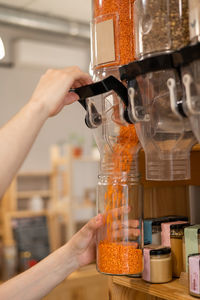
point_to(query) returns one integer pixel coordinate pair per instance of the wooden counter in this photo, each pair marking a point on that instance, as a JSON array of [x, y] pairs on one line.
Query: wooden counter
[[136, 289]]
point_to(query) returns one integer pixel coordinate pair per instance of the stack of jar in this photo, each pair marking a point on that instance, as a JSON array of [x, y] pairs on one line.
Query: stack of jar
[[163, 253]]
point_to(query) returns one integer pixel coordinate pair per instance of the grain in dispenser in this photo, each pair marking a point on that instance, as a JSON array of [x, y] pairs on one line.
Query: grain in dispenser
[[160, 26]]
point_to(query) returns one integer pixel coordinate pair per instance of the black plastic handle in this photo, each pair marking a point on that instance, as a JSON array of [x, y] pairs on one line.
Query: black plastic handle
[[106, 85]]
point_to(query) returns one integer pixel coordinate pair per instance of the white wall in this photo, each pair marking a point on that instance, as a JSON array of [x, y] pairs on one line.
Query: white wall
[[16, 86]]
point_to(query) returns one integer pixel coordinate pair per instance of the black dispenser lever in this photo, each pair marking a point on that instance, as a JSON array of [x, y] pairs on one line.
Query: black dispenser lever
[[93, 119]]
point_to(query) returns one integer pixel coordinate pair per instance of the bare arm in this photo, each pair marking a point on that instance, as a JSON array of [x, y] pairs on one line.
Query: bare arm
[[18, 135], [43, 277]]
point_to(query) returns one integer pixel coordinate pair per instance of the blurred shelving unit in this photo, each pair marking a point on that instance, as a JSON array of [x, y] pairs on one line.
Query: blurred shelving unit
[[54, 189]]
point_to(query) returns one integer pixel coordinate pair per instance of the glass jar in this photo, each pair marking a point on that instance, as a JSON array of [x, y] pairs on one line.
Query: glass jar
[[176, 240], [191, 243], [112, 33], [156, 232], [194, 20], [160, 26], [194, 274], [120, 240], [157, 264]]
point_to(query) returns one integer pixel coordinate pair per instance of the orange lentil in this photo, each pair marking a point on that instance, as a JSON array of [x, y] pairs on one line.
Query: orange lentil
[[122, 14], [116, 257]]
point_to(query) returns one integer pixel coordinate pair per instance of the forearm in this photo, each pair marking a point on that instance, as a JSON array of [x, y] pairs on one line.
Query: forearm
[[42, 278], [16, 139]]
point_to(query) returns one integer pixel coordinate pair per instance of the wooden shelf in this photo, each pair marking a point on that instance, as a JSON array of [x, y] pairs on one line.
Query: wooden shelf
[[34, 173], [169, 291], [29, 194], [86, 159]]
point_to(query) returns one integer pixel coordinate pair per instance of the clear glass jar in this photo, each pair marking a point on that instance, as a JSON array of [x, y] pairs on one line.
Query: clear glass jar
[[176, 240], [156, 233], [191, 243], [194, 274], [160, 26], [120, 240], [157, 264], [112, 33]]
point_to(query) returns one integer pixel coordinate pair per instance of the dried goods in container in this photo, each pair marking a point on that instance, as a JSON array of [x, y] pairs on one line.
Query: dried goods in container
[[112, 33], [194, 19], [160, 26]]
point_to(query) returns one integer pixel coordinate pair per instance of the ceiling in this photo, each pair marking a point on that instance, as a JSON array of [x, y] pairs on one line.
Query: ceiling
[[79, 10]]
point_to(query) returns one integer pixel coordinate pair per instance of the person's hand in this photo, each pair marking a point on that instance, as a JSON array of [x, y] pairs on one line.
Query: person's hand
[[52, 91], [83, 244]]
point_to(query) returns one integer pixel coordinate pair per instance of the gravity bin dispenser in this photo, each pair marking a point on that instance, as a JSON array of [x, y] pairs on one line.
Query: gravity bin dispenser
[[119, 192], [190, 59], [155, 88]]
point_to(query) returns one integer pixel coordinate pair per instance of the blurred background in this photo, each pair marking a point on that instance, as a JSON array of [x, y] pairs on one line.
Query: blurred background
[[54, 193]]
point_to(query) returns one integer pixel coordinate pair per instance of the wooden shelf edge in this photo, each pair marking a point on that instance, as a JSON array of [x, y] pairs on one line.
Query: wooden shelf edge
[[39, 173], [168, 291], [29, 194]]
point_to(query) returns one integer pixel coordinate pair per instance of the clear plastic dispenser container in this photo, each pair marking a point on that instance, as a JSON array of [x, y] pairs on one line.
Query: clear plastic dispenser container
[[119, 192], [155, 106], [160, 26], [111, 33], [189, 59], [194, 20]]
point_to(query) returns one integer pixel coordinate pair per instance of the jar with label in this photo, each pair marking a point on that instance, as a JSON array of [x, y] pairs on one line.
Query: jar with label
[[194, 274], [191, 243], [160, 26], [176, 236], [157, 264], [156, 227], [194, 20]]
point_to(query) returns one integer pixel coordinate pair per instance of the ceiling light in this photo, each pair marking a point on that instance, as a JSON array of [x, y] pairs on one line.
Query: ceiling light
[[2, 49]]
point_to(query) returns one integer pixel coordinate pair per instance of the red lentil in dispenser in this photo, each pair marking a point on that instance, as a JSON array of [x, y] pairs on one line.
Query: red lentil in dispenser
[[112, 33]]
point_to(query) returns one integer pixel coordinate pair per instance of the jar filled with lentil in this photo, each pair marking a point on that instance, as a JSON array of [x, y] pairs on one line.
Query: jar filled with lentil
[[160, 26], [112, 33], [120, 239]]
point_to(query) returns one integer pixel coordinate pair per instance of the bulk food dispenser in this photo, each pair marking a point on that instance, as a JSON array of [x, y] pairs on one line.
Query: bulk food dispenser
[[155, 88], [119, 192], [191, 69]]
